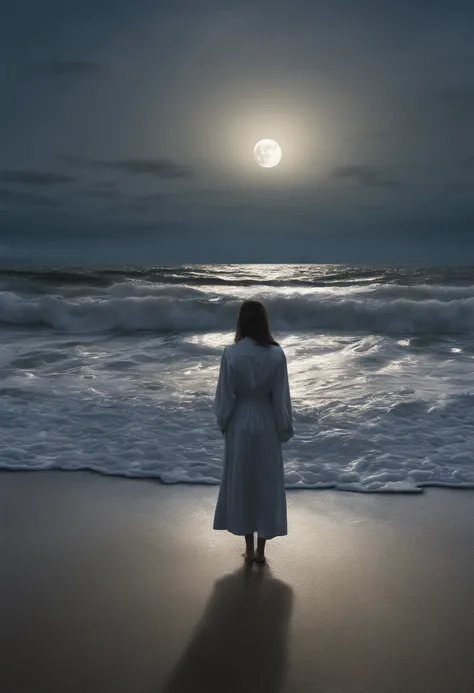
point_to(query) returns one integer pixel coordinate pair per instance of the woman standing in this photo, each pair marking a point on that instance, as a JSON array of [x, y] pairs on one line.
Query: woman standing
[[253, 410]]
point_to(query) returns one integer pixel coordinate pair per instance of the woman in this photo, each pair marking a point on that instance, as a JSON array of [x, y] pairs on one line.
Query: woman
[[253, 410]]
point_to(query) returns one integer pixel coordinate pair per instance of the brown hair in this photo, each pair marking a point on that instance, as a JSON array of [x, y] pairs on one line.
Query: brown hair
[[253, 322]]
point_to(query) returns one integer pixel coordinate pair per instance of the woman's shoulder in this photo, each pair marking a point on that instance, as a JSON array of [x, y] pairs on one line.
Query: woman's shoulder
[[244, 345], [277, 350]]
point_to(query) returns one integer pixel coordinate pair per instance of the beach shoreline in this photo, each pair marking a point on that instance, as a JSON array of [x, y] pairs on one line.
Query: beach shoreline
[[116, 584]]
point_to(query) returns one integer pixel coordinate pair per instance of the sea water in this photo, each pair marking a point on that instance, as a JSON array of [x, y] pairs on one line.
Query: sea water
[[114, 369]]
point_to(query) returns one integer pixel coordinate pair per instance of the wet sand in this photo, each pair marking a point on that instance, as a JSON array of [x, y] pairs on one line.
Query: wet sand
[[122, 586]]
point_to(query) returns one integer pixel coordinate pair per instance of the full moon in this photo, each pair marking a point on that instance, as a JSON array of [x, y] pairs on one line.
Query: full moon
[[267, 153]]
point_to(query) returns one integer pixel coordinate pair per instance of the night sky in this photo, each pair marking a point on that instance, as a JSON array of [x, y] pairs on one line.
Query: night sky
[[127, 129]]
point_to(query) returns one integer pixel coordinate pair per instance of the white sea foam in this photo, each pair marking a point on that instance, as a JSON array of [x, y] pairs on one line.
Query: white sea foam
[[369, 415]]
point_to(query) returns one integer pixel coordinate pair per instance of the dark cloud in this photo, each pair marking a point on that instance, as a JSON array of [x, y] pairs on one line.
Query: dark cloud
[[68, 67], [366, 176], [28, 177], [162, 168], [159, 168], [24, 199]]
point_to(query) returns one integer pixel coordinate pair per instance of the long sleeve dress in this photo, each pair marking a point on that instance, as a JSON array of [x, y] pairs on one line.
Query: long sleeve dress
[[253, 410]]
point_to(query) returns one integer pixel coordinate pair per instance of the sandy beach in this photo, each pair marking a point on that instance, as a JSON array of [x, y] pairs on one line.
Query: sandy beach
[[121, 586]]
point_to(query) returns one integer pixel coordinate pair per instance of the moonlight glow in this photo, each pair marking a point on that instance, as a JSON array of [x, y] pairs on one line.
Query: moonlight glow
[[267, 153]]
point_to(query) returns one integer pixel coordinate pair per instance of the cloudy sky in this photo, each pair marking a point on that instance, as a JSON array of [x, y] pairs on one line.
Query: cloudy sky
[[127, 129]]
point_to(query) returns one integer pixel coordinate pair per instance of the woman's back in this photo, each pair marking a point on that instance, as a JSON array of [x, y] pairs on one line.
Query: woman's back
[[253, 368]]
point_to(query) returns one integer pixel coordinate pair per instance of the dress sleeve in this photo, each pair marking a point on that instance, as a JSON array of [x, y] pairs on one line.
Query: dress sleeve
[[224, 402], [281, 400]]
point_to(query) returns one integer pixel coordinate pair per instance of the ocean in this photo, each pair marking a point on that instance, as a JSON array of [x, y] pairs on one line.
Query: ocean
[[114, 369]]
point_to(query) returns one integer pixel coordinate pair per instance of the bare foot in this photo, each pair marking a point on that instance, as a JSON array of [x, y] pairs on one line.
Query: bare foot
[[249, 556]]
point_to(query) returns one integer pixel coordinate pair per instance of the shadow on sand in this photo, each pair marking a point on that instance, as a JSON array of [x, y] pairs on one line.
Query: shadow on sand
[[240, 642]]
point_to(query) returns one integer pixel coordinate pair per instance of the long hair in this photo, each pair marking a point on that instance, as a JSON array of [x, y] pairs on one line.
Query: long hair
[[253, 322]]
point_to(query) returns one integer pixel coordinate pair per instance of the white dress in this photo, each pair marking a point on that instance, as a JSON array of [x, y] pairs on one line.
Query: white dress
[[253, 410]]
